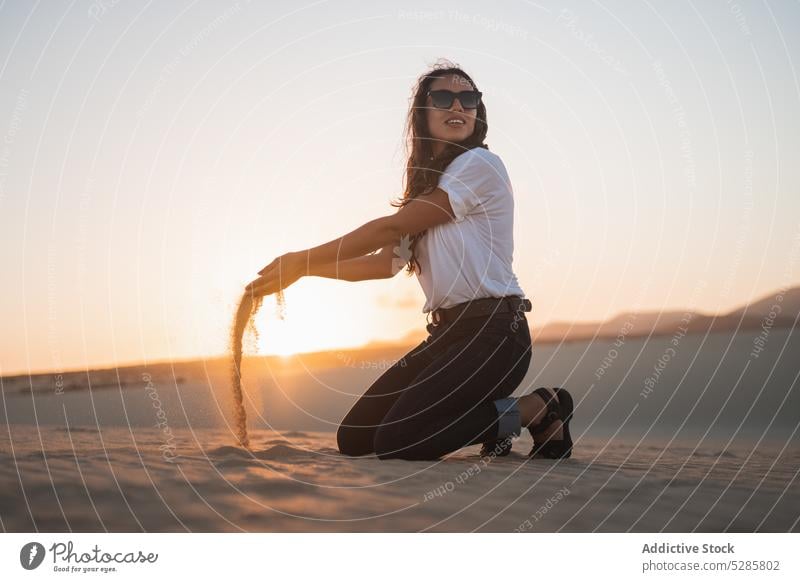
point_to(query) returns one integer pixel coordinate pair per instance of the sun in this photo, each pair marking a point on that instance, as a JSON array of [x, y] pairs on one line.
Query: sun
[[279, 337], [303, 329]]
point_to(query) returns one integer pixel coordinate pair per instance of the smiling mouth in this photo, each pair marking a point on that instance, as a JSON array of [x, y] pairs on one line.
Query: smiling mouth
[[455, 123]]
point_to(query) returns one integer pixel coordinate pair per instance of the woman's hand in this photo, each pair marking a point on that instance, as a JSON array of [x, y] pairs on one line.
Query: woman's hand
[[278, 275]]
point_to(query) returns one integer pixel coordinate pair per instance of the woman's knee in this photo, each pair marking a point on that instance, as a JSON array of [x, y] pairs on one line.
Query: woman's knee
[[392, 442], [384, 442], [354, 441]]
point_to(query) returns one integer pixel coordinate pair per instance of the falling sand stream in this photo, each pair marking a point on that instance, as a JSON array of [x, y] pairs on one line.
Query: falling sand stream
[[244, 320]]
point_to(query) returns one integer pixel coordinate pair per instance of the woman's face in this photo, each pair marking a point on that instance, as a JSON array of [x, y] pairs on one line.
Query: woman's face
[[449, 125]]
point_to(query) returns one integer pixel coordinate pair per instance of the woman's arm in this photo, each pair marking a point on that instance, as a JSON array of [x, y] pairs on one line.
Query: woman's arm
[[418, 215], [368, 267]]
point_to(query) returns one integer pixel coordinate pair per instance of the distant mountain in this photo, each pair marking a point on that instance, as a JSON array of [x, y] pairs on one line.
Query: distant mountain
[[656, 323], [752, 316], [789, 303]]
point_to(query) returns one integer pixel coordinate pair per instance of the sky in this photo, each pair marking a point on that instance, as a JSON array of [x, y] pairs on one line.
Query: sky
[[155, 156]]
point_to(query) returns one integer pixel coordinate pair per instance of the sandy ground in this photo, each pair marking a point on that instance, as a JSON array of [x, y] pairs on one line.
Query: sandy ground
[[712, 447], [121, 479]]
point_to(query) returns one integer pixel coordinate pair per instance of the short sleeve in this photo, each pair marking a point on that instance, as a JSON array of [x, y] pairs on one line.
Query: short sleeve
[[467, 179]]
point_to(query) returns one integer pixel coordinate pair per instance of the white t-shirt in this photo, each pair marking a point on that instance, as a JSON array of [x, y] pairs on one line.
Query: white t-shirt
[[470, 257]]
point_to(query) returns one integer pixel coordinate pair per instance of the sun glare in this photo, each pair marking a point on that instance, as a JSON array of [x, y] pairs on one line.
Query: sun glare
[[303, 330]]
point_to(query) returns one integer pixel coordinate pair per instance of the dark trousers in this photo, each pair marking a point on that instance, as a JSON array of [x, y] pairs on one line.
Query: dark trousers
[[439, 397]]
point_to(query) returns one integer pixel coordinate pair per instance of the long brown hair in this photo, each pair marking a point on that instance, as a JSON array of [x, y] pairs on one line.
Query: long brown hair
[[422, 167]]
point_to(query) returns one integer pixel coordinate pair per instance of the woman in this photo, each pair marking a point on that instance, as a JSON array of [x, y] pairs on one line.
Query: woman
[[456, 221]]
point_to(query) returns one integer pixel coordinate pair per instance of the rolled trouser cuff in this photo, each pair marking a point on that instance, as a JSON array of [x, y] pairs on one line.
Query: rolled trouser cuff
[[508, 418]]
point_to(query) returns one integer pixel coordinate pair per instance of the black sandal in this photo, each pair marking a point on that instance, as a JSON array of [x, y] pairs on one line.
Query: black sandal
[[559, 407]]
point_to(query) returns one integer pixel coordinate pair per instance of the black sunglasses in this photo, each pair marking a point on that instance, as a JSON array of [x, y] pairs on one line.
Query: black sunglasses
[[443, 99]]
